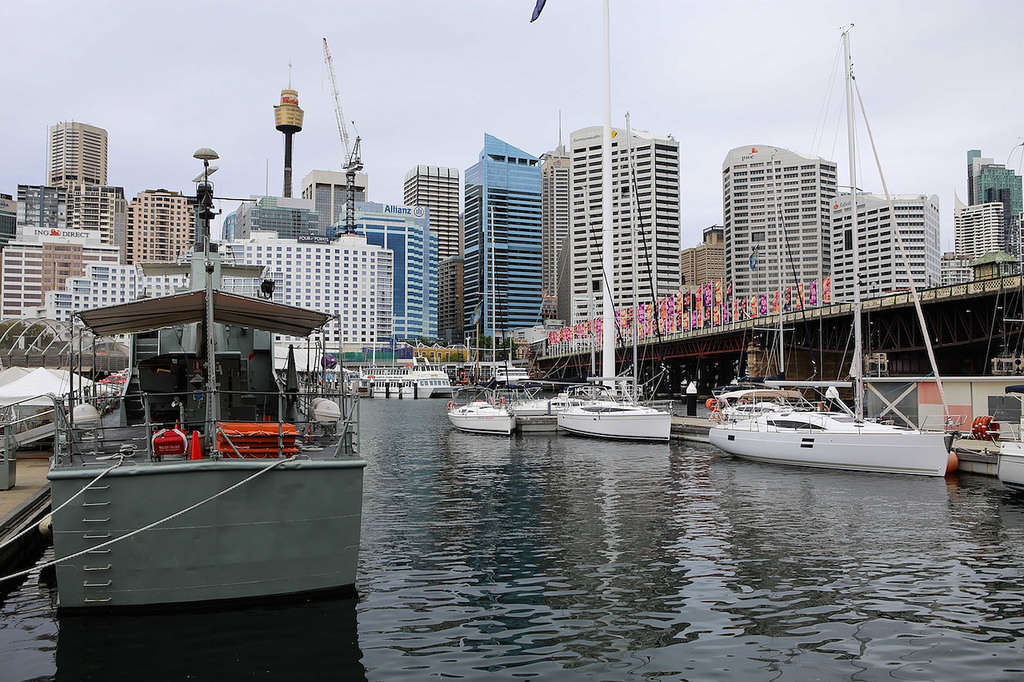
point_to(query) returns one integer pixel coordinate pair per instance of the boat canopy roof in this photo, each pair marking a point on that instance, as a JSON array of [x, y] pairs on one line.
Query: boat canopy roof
[[1018, 388], [157, 313]]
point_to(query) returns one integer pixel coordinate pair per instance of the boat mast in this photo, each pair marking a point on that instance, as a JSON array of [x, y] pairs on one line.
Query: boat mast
[[858, 365], [607, 233], [204, 213], [632, 254]]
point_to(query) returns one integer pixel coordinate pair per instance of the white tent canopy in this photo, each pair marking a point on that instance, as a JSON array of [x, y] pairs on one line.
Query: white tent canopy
[[35, 387]]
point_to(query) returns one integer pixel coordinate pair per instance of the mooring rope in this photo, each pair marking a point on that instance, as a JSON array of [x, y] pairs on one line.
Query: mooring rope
[[25, 530]]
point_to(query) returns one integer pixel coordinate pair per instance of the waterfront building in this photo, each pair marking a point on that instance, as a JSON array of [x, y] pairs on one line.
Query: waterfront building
[[8, 219], [449, 300], [885, 265], [229, 226], [77, 153], [405, 231], [652, 270], [345, 277], [106, 284], [437, 189], [990, 182], [955, 268], [41, 259], [776, 206], [706, 261], [554, 217], [161, 226], [288, 218], [328, 190], [502, 225], [978, 229]]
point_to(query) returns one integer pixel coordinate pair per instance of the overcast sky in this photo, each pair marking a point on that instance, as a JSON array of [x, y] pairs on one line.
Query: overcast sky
[[423, 80]]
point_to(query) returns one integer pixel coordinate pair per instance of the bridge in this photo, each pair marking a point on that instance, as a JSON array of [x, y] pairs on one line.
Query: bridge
[[972, 326]]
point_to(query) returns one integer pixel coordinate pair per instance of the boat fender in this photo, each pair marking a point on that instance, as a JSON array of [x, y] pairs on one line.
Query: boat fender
[[46, 526]]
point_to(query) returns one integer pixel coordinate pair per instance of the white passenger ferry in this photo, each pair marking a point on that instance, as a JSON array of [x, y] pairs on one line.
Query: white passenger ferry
[[418, 379]]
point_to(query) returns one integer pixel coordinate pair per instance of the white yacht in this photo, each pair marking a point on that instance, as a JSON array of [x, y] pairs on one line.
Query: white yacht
[[1010, 467], [617, 416], [485, 413]]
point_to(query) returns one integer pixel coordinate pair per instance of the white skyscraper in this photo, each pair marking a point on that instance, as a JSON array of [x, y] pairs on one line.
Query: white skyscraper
[[777, 218], [656, 230], [978, 229], [554, 216], [883, 266]]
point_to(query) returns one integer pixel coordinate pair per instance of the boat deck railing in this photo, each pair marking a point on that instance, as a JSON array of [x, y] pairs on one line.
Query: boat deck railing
[[314, 425]]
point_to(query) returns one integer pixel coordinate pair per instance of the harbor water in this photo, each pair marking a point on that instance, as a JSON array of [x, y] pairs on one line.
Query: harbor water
[[552, 557]]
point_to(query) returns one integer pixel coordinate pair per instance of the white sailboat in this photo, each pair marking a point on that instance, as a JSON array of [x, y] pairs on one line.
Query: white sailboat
[[616, 414], [837, 440]]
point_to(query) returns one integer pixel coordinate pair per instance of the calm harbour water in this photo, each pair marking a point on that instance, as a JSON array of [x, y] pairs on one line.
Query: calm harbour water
[[554, 557]]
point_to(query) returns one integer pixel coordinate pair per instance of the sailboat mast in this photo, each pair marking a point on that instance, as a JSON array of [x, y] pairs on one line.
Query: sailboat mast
[[858, 364], [632, 232], [607, 258]]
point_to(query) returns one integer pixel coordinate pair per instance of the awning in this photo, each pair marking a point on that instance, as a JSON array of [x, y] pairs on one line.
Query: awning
[[157, 313]]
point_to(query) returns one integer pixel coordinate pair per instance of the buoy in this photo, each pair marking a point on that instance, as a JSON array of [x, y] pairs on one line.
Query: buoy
[[953, 463], [711, 403], [985, 427], [196, 450]]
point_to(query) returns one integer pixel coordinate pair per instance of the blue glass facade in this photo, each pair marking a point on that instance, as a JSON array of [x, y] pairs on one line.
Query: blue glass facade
[[405, 231], [503, 234]]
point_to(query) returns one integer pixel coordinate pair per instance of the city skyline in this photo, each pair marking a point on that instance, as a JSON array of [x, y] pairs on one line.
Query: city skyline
[[423, 81]]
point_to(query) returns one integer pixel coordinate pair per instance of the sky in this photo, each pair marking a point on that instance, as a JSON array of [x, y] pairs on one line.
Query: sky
[[422, 81]]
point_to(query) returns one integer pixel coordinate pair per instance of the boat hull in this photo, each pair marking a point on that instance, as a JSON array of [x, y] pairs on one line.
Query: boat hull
[[1010, 468], [653, 425], [289, 531], [899, 452]]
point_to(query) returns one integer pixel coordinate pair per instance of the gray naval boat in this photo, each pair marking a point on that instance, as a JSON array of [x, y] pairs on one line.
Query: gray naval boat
[[210, 478]]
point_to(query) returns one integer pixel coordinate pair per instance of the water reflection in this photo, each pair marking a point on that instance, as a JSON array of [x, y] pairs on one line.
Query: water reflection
[[281, 642]]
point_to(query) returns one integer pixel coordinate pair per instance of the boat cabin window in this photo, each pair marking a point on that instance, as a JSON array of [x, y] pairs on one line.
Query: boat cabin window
[[794, 424]]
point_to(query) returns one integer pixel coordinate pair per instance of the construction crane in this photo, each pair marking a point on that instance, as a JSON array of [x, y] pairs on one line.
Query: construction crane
[[353, 161]]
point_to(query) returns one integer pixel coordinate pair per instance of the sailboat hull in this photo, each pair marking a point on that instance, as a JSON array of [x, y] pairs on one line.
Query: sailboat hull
[[1010, 469], [864, 448], [616, 421]]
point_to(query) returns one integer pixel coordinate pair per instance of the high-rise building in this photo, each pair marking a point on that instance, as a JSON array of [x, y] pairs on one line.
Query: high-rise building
[[449, 300], [978, 229], [990, 182], [884, 264], [98, 208], [554, 216], [705, 262], [646, 257], [288, 217], [160, 226], [77, 153], [329, 190], [346, 278], [777, 214], [502, 239], [405, 231], [42, 207], [8, 219], [437, 189]]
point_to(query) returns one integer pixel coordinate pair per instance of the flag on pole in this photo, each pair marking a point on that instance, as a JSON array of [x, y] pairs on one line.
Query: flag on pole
[[753, 257], [476, 313], [537, 10]]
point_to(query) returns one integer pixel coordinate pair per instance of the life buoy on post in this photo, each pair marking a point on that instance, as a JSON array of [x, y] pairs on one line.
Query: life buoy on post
[[985, 428], [711, 404]]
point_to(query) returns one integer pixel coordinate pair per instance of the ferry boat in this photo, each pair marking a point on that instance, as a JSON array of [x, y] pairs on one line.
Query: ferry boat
[[417, 380]]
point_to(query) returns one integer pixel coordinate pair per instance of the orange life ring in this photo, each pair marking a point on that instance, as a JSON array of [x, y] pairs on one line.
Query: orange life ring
[[451, 404], [501, 400], [985, 428], [711, 403]]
